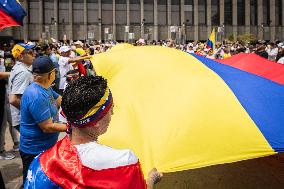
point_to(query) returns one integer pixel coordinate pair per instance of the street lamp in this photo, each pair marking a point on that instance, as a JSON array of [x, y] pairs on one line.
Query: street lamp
[[99, 21], [53, 23], [64, 35], [222, 33], [142, 28], [183, 33]]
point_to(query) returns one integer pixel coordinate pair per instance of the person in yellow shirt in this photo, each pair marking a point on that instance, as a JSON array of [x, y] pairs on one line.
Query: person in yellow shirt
[[79, 48], [227, 53]]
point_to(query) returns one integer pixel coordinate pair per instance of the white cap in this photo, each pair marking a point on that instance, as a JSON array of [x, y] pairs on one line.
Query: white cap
[[64, 49], [141, 41], [73, 48], [280, 45], [30, 43], [79, 43], [190, 44]]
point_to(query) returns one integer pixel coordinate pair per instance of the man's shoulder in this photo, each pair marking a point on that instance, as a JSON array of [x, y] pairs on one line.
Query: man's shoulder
[[20, 68], [97, 156], [33, 92], [63, 60]]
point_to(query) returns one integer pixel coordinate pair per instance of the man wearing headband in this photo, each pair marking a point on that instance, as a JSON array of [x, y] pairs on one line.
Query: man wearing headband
[[78, 160]]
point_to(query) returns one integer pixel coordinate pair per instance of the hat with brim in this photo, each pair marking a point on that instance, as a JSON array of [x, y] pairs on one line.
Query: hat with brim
[[64, 49], [19, 48], [42, 65], [79, 43]]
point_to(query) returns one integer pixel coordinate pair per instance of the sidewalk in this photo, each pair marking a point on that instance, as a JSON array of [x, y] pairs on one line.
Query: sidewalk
[[11, 169]]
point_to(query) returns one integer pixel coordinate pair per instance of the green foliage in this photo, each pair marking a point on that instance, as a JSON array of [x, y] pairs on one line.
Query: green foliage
[[247, 37]]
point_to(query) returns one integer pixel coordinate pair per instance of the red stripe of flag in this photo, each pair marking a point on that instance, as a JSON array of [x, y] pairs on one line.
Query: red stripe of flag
[[6, 20]]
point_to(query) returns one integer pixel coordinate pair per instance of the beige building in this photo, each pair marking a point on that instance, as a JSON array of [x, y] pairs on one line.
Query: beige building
[[151, 19]]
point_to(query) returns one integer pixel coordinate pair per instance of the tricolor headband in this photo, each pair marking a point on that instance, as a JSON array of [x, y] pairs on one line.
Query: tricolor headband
[[96, 113]]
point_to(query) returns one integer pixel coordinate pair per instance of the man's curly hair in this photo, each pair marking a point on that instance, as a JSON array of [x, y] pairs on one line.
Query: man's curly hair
[[81, 95]]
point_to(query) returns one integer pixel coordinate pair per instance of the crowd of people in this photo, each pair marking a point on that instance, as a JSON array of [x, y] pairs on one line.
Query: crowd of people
[[34, 77]]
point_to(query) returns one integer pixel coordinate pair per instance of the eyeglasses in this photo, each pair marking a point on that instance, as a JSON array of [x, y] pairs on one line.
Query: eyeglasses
[[54, 70]]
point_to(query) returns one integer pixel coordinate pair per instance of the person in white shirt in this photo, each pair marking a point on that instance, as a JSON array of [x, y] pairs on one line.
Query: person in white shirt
[[272, 51], [66, 64], [189, 48], [281, 60]]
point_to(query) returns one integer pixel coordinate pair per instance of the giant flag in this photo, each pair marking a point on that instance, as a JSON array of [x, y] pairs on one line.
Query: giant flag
[[11, 13], [257, 65], [178, 112]]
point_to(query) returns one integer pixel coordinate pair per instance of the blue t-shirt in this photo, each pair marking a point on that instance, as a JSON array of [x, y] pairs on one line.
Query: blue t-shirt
[[38, 104]]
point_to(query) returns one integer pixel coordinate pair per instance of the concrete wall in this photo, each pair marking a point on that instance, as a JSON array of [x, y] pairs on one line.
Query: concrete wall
[[156, 31]]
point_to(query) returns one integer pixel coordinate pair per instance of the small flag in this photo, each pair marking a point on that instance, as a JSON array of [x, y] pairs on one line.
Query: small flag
[[11, 13], [211, 41]]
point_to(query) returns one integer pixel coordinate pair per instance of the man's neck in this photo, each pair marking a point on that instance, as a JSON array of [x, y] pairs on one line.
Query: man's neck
[[44, 85], [79, 138]]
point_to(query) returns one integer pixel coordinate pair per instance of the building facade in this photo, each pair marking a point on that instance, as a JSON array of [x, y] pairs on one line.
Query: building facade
[[151, 19]]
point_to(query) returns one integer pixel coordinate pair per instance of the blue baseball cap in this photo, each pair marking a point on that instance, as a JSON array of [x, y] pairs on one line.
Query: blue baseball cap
[[42, 65]]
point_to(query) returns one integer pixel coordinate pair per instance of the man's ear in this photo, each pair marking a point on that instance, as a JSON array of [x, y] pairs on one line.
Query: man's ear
[[20, 57], [49, 76]]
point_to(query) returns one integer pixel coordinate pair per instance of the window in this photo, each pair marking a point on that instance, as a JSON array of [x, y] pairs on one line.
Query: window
[[253, 12], [278, 12], [228, 12], [188, 12], [78, 11], [63, 12], [175, 16], [48, 8], [202, 12], [215, 12], [241, 12], [149, 12], [93, 11], [162, 12], [107, 11], [266, 13], [120, 12], [33, 12], [135, 13]]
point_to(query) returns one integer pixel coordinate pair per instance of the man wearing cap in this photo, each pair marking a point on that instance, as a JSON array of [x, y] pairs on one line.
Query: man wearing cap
[[79, 48], [20, 78], [39, 113], [49, 52], [66, 64], [79, 160], [189, 48]]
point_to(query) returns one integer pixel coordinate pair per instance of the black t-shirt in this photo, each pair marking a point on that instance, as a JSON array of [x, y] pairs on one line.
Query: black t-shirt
[[263, 54]]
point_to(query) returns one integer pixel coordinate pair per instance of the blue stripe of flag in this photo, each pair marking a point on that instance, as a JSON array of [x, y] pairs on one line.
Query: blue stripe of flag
[[261, 98], [37, 178], [209, 44]]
